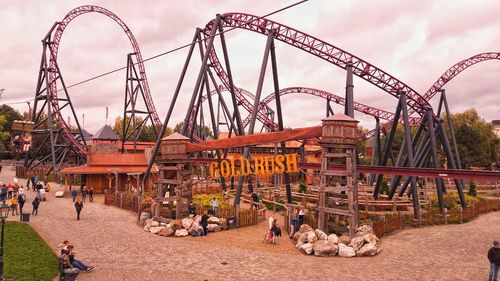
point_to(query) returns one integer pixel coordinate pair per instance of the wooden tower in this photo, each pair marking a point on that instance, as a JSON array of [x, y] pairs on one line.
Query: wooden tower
[[338, 193]]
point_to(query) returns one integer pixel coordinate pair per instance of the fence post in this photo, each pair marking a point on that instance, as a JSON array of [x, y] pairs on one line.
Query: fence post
[[460, 214], [445, 215], [400, 220], [419, 219], [473, 207], [383, 223], [121, 200]]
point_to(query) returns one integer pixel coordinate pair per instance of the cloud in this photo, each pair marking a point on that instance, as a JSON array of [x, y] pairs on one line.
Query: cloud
[[414, 41]]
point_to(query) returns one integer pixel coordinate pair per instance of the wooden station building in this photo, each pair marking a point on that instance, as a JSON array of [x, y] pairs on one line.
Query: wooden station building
[[108, 169]]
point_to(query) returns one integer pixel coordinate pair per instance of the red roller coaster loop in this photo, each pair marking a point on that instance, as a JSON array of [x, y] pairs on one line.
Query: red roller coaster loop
[[54, 48], [316, 47], [457, 69]]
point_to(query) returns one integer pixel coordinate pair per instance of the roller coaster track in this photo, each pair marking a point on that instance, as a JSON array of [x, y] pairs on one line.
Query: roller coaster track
[[447, 76], [366, 109], [316, 47], [54, 48], [457, 69]]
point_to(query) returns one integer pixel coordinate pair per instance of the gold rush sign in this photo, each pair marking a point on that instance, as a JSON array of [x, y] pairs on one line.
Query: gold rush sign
[[262, 165]]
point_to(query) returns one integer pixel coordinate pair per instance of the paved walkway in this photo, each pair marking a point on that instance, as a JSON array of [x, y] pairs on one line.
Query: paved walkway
[[110, 239]]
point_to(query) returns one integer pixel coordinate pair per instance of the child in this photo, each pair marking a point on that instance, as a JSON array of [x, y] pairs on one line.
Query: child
[[13, 205]]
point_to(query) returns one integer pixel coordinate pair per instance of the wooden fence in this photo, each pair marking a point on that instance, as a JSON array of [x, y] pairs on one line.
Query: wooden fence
[[124, 200], [398, 220], [129, 201]]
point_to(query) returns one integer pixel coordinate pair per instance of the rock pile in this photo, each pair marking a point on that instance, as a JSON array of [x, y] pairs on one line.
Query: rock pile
[[184, 227], [364, 244]]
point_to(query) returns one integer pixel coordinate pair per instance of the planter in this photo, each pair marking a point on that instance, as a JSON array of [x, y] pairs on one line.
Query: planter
[[144, 216]]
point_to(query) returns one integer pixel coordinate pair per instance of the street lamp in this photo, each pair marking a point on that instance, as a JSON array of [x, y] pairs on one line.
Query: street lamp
[[4, 213]]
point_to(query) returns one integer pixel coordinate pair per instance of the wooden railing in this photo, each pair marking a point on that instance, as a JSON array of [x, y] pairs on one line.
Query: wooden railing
[[398, 220]]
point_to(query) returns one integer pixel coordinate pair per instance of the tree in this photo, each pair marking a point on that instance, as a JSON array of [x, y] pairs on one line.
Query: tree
[[477, 144], [147, 133], [7, 117], [205, 130]]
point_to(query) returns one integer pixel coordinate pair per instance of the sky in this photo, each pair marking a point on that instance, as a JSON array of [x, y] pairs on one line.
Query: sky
[[415, 41]]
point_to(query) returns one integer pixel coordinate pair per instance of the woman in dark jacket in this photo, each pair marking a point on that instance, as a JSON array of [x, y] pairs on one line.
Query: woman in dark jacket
[[204, 223], [78, 208]]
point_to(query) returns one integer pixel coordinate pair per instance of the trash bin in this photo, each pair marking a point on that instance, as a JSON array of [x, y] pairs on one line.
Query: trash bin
[[25, 217], [231, 221]]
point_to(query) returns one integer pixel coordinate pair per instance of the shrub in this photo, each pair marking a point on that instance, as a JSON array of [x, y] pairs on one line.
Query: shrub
[[147, 202], [203, 200], [472, 189], [384, 187], [302, 186]]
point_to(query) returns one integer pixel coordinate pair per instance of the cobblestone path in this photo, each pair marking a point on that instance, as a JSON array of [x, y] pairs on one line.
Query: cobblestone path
[[110, 239]]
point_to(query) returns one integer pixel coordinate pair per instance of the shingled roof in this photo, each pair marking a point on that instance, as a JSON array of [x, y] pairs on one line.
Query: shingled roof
[[105, 133]]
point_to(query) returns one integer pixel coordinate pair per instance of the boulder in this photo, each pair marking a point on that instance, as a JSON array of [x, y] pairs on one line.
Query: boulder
[[147, 224], [334, 238], [323, 248], [161, 219], [371, 238], [363, 230], [356, 243], [321, 235], [303, 237], [156, 229], [369, 250], [60, 194], [311, 237], [181, 232], [197, 219], [223, 223], [299, 244], [176, 225], [167, 231], [305, 228], [307, 248], [155, 224], [213, 220], [346, 251], [345, 239], [212, 227], [187, 222]]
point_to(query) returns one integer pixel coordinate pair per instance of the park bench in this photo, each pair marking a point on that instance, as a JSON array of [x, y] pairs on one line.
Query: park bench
[[63, 276]]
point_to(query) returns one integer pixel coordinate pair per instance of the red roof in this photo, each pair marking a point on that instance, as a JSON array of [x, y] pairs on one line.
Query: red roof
[[118, 159]]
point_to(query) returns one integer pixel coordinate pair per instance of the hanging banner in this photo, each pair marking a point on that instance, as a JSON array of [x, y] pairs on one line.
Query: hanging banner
[[262, 165]]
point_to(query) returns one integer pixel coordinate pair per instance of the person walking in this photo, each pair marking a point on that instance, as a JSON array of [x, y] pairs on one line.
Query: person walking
[[35, 204], [302, 214], [494, 258], [78, 208], [21, 199], [3, 193], [83, 191], [215, 205], [91, 194], [204, 223], [74, 193], [293, 220]]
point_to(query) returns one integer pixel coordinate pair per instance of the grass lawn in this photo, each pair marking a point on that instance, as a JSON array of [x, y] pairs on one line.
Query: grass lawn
[[26, 255]]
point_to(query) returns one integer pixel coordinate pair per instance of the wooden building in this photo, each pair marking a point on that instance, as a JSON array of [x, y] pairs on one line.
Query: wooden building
[[107, 169]]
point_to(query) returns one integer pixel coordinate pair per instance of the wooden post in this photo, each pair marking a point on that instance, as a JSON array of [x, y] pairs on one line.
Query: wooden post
[[460, 214], [445, 215]]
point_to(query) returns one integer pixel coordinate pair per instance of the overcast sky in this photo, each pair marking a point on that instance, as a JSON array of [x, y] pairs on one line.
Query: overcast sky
[[415, 41]]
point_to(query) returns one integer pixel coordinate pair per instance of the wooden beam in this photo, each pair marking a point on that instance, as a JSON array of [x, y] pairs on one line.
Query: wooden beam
[[255, 139]]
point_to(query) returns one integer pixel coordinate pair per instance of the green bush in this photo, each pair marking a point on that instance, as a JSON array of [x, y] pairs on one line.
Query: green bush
[[302, 186], [472, 189], [279, 208], [384, 187], [203, 200]]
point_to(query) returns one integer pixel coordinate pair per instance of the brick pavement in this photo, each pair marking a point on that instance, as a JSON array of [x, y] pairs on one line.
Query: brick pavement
[[110, 239]]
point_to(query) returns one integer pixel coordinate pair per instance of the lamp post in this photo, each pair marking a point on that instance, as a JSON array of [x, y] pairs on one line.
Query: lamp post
[[4, 213]]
